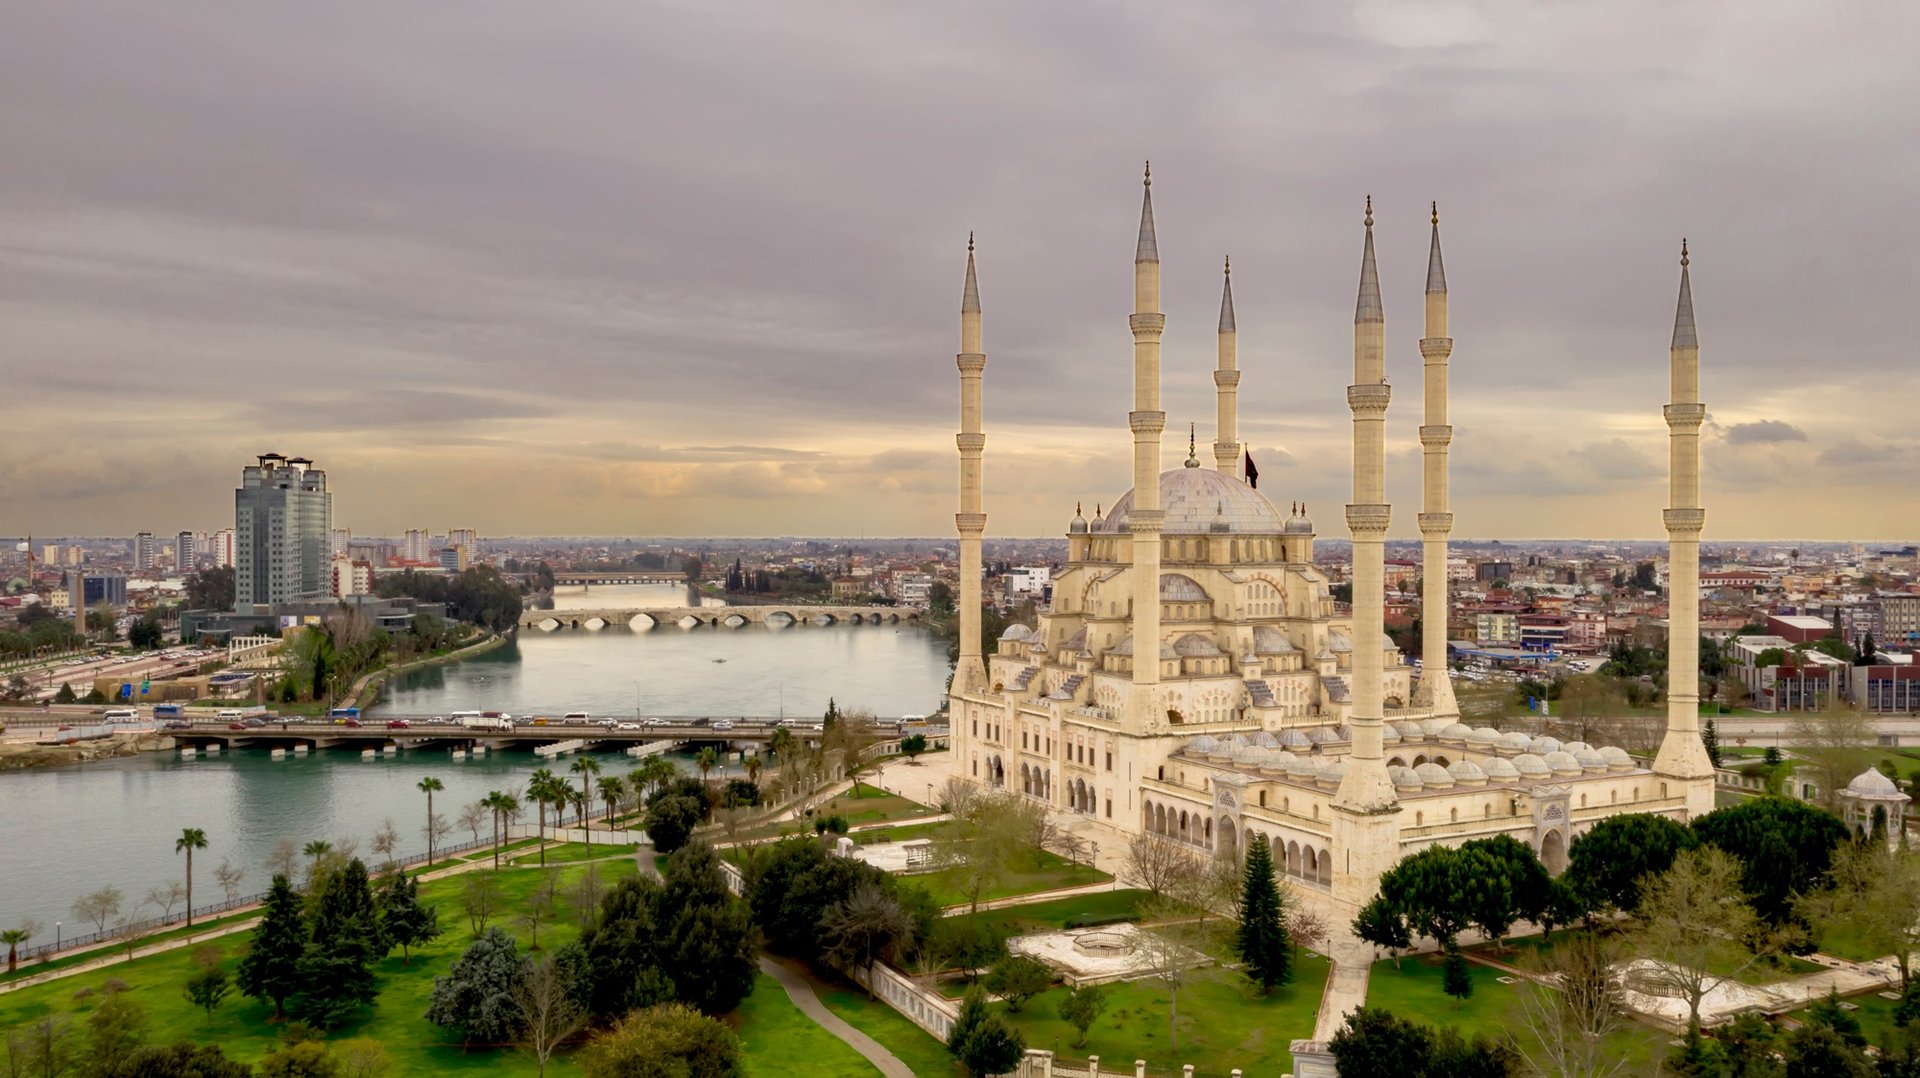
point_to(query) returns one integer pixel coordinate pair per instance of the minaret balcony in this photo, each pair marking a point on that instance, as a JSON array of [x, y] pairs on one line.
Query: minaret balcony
[[1685, 416], [1436, 434], [1436, 349], [1684, 521], [1369, 399]]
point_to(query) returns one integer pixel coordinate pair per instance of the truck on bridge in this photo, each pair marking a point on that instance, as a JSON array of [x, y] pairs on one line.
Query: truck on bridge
[[484, 720]]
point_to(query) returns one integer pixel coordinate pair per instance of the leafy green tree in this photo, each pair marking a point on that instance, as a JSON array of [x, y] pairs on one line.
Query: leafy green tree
[[116, 1028], [1455, 979], [1017, 978], [620, 974], [207, 988], [406, 921], [210, 589], [1786, 846], [65, 695], [191, 839], [1606, 865], [301, 1059], [981, 1040], [671, 820], [336, 970], [1374, 1043], [269, 970], [913, 745], [1696, 930], [478, 997], [1816, 1050], [866, 927], [706, 947], [146, 633], [669, 1040], [1082, 1007], [1266, 954], [181, 1059], [1516, 885], [1381, 923]]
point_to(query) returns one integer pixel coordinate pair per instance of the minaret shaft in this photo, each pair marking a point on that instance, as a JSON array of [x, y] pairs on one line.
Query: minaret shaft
[[1226, 381], [1435, 690], [971, 521], [1683, 757], [1146, 421]]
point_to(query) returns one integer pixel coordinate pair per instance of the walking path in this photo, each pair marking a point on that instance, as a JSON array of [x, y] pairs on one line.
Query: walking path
[[801, 993]]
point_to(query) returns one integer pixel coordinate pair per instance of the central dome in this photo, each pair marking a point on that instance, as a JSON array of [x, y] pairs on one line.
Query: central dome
[[1199, 501]]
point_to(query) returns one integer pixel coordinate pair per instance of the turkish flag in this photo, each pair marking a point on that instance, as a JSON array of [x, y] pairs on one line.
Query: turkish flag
[[1253, 473]]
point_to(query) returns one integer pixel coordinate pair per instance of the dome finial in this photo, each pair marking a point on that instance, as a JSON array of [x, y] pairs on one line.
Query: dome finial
[[969, 241], [1229, 270], [1148, 181], [1436, 212], [1369, 211], [1683, 250], [1193, 460]]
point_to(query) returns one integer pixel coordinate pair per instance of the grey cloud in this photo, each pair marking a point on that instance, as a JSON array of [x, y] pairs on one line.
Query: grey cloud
[[1853, 451], [1764, 432]]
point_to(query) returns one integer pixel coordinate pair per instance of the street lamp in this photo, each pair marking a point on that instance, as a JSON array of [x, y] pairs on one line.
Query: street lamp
[[56, 937]]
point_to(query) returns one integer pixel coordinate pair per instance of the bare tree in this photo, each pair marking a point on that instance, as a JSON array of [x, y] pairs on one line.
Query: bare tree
[[362, 1057], [546, 1000], [1875, 897], [585, 895], [480, 896], [1166, 954], [436, 830], [48, 1046], [229, 877], [1569, 1008], [1835, 744], [1694, 920], [474, 816], [386, 840], [284, 860], [1304, 926], [167, 898], [988, 840], [864, 928], [541, 904], [1157, 863], [99, 907]]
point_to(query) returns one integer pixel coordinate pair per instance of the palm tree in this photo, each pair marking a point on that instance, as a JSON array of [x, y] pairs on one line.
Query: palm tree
[[428, 786], [13, 938], [708, 759], [611, 787], [540, 792], [652, 773], [503, 806], [586, 767], [582, 800], [316, 849], [753, 764], [191, 839], [781, 744]]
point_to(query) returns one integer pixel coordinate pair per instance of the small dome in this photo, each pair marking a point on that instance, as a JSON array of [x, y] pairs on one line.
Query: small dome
[[1266, 740], [1278, 760], [1078, 526], [1180, 588], [1467, 773], [1322, 735], [1500, 770], [1294, 739], [1389, 734], [1434, 726], [1617, 758], [1330, 775], [1562, 763], [1515, 740], [1575, 747], [1298, 525], [1458, 731], [1268, 640], [1302, 767], [1590, 760], [1239, 741], [1124, 647], [1871, 783], [1404, 778], [1540, 746], [1248, 756], [1531, 766], [1339, 641], [1484, 735], [1201, 745], [1435, 776], [1016, 631], [1195, 646], [1076, 642]]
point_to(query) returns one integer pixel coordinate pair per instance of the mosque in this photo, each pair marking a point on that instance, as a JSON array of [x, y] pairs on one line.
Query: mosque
[[1194, 678]]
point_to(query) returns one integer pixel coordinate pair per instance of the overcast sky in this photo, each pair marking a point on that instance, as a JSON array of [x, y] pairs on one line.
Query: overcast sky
[[680, 269]]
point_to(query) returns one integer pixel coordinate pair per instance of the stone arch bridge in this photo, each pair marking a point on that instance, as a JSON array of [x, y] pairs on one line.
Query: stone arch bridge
[[642, 619]]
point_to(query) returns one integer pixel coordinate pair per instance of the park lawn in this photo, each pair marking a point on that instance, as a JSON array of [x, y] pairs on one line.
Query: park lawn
[[1047, 872], [921, 1051], [571, 852], [1875, 1014], [1100, 907], [777, 1041], [1493, 1010], [1223, 1022], [243, 1027], [872, 805], [902, 832], [29, 969]]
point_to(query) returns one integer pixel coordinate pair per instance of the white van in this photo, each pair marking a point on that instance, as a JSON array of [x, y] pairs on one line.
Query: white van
[[122, 714]]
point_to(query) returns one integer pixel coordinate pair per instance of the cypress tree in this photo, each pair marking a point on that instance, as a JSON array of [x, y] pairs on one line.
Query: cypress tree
[[404, 920], [1266, 955], [1454, 978], [336, 971], [268, 970], [1710, 737]]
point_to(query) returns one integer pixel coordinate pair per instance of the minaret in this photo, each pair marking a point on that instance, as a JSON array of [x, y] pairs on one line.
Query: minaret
[[1682, 757], [1147, 421], [1435, 690], [1365, 831], [1226, 381], [970, 672]]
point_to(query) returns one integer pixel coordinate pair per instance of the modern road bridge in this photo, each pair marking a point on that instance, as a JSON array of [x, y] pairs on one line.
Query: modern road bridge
[[420, 733], [730, 617]]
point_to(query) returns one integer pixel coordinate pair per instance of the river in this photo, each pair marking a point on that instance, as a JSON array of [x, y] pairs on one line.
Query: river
[[75, 829]]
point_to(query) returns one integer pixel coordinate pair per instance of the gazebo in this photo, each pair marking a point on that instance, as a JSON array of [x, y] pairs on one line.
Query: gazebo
[[1873, 800]]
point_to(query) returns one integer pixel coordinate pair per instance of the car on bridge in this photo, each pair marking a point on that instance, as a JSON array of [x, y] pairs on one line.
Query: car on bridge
[[723, 724], [628, 726], [398, 724]]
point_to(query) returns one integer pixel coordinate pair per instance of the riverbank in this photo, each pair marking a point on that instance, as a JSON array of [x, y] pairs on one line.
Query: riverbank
[[21, 755], [366, 692]]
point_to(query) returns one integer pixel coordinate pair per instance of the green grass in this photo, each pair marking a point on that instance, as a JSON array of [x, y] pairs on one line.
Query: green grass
[[924, 1054], [901, 832], [1055, 913], [1223, 1023], [1414, 991], [244, 1028], [1047, 872], [1875, 1014], [777, 1041], [573, 852], [873, 805]]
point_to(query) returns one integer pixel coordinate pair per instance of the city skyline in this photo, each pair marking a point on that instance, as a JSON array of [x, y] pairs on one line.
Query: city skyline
[[559, 276]]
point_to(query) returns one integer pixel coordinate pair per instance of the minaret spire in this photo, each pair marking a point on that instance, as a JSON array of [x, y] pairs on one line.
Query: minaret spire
[[971, 520], [1682, 757], [1226, 382], [1435, 690], [1364, 823], [1145, 709]]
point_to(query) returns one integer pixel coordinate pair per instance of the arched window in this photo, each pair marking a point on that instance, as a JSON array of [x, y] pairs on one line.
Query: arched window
[[1419, 819], [1454, 814]]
